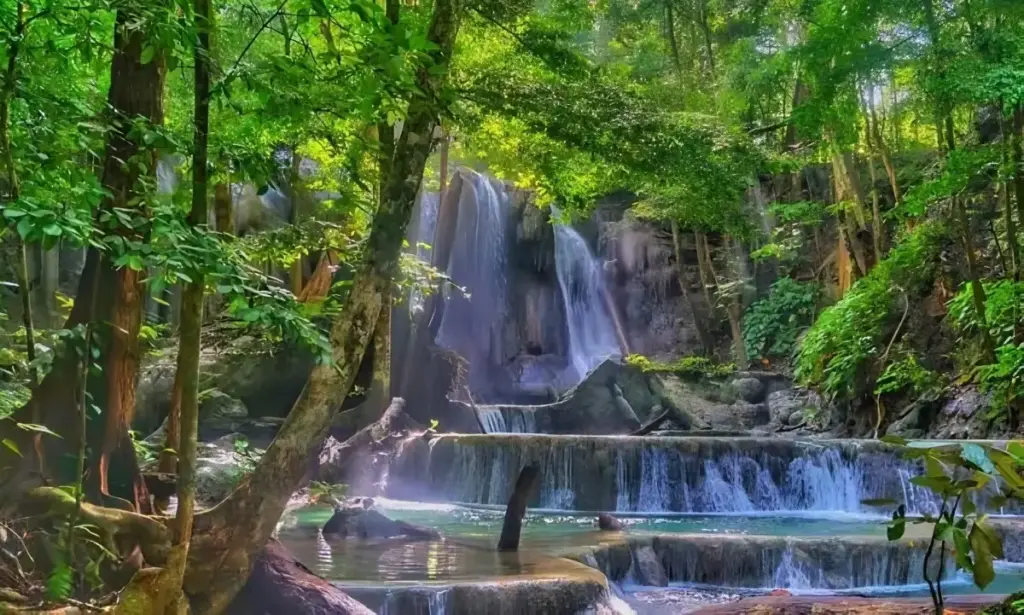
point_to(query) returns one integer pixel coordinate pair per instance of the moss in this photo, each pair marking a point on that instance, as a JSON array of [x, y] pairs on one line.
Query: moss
[[692, 367]]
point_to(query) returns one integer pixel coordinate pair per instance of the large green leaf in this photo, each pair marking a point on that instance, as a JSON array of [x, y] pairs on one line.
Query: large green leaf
[[976, 455], [984, 572]]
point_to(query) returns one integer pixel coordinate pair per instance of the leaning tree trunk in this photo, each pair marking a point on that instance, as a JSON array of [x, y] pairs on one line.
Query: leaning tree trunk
[[136, 91], [229, 536]]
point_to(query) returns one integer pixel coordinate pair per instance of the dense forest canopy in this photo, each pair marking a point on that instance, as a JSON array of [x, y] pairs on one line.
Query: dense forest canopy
[[846, 176]]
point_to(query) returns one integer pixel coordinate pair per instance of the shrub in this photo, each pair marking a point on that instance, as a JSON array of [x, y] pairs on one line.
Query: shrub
[[685, 366], [839, 351], [772, 325]]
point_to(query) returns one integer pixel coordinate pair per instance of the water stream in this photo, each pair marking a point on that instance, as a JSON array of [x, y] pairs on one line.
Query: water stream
[[592, 333]]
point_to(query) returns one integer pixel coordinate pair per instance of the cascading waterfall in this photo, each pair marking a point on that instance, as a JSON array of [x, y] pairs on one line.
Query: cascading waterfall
[[429, 204], [507, 419], [471, 325], [652, 474], [592, 336]]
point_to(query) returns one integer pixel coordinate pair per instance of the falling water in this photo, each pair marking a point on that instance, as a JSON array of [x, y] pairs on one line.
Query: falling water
[[592, 337], [649, 475], [427, 224], [508, 419], [471, 325]]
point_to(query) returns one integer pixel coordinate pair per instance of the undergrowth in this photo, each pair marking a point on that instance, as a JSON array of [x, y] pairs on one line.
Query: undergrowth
[[685, 366], [841, 352]]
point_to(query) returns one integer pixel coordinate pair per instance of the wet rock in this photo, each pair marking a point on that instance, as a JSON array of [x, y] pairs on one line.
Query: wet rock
[[647, 568], [747, 416], [797, 417], [608, 523], [963, 415], [784, 402], [220, 466], [748, 389], [219, 406], [357, 521]]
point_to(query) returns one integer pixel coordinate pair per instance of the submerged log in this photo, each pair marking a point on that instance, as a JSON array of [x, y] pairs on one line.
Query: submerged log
[[281, 585], [526, 484]]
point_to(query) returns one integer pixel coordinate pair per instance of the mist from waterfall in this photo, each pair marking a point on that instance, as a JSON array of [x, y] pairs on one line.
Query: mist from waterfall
[[592, 336]]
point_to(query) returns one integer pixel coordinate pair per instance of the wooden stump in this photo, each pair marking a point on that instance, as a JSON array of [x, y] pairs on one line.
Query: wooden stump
[[526, 484]]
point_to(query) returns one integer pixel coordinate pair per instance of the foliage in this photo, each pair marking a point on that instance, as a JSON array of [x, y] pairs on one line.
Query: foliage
[[772, 325], [326, 493], [907, 374], [1004, 310], [963, 477], [692, 366], [1004, 379], [840, 351]]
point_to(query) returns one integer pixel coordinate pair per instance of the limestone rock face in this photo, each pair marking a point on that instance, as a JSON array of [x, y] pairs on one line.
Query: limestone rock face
[[219, 406]]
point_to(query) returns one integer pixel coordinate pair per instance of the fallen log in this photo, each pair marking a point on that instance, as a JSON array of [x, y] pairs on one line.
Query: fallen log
[[526, 484], [653, 423], [281, 585]]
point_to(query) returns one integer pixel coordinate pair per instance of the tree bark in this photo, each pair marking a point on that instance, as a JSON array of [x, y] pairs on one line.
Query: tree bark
[[1018, 160], [1011, 227], [705, 29], [228, 537], [673, 43], [186, 376], [511, 529]]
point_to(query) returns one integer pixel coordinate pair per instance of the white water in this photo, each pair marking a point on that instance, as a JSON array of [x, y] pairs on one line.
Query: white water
[[591, 329], [472, 325], [430, 202]]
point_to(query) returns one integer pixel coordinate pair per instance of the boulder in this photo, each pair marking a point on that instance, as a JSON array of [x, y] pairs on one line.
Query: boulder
[[783, 403], [360, 460], [219, 468], [356, 521], [748, 389], [608, 523], [266, 383], [797, 417], [219, 406]]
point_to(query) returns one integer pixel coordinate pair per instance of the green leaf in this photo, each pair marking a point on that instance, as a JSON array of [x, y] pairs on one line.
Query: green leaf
[[976, 455], [894, 439], [24, 227], [320, 8], [12, 212], [963, 551], [11, 445], [895, 531], [53, 230], [984, 572], [938, 484], [1016, 449], [37, 429], [968, 506], [147, 54]]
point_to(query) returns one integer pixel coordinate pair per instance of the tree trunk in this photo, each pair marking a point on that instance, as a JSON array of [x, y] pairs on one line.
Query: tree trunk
[[698, 321], [1018, 160], [223, 215], [1011, 227], [186, 377], [703, 265], [526, 484], [705, 29], [228, 537], [877, 227], [379, 394], [673, 43], [136, 91]]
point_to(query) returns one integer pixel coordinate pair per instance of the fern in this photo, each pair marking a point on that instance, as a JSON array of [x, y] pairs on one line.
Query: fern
[[60, 583]]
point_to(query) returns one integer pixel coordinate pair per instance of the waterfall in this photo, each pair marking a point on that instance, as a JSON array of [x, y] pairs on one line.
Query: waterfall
[[430, 202], [592, 337], [471, 325], [508, 419], [664, 474]]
